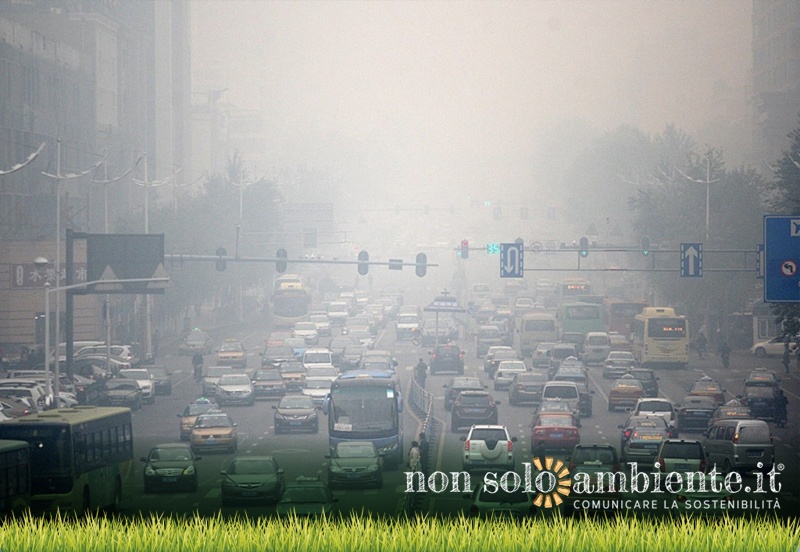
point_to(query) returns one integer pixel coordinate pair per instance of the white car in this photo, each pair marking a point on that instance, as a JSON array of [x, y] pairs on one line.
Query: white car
[[317, 389], [308, 331], [655, 407], [323, 324], [235, 389], [506, 371], [145, 381], [488, 446], [773, 347]]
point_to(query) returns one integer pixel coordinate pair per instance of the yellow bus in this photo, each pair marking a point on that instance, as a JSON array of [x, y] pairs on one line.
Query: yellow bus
[[15, 477], [78, 456], [661, 338]]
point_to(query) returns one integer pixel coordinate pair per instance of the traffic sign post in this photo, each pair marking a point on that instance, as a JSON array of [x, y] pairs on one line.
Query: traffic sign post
[[511, 260], [781, 259], [691, 260]]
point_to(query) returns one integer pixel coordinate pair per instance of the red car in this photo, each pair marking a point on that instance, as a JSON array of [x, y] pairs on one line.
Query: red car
[[554, 433]]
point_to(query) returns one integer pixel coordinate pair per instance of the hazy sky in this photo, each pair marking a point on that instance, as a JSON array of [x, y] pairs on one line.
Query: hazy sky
[[423, 96]]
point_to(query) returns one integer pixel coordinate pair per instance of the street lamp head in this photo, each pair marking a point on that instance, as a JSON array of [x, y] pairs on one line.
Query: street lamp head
[[41, 262]]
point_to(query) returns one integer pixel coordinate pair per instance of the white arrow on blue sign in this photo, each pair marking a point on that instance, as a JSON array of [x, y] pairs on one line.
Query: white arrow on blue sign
[[691, 260], [511, 260]]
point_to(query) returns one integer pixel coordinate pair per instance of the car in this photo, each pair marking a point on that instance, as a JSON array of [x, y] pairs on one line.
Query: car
[[694, 414], [504, 323], [351, 357], [144, 380], [211, 376], [484, 312], [707, 387], [654, 422], [214, 431], [338, 311], [363, 335], [760, 391], [619, 342], [446, 358], [495, 355], [618, 363], [626, 391], [577, 374], [232, 353], [378, 359], [740, 445], [378, 314], [497, 502], [471, 407], [234, 389], [274, 355], [641, 446], [596, 346], [297, 345], [293, 374], [252, 479], [433, 331], [772, 347], [541, 354], [170, 467], [487, 447], [323, 324], [647, 378], [457, 385], [526, 388], [317, 389], [566, 391], [560, 352], [317, 356], [190, 414], [15, 408], [337, 345], [731, 410], [121, 392], [277, 338], [355, 463], [593, 459], [197, 341], [322, 372], [161, 379], [487, 336], [522, 305], [123, 353], [681, 455], [268, 384], [307, 331], [296, 412], [407, 324], [553, 433], [308, 496], [506, 370], [655, 407], [553, 406]]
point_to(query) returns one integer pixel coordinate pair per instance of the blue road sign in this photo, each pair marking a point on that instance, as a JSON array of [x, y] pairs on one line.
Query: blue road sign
[[781, 259], [691, 260], [511, 260]]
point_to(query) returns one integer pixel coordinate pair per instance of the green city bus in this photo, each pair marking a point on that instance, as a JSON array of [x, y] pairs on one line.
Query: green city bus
[[581, 318], [15, 477], [78, 456]]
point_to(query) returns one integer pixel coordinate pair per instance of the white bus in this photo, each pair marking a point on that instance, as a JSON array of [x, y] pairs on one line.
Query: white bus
[[661, 338], [535, 328]]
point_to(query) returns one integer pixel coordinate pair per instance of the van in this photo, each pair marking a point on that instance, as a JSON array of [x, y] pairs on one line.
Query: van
[[566, 391], [487, 336], [739, 445], [535, 328], [596, 346]]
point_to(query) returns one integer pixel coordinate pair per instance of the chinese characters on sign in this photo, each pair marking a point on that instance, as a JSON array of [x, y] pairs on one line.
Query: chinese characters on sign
[[29, 276]]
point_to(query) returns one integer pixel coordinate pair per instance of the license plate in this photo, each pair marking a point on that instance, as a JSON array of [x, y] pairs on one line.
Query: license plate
[[293, 423], [170, 479], [473, 410], [556, 435], [753, 453], [248, 493], [681, 466]]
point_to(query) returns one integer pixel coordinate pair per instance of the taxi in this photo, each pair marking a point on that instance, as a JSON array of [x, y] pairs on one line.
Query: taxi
[[214, 431], [707, 387], [232, 353], [190, 414], [626, 391]]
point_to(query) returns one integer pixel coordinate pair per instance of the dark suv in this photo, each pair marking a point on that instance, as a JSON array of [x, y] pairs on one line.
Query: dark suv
[[457, 385], [471, 408], [648, 379], [447, 358]]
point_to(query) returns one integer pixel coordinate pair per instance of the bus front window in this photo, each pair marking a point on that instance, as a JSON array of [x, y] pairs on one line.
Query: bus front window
[[364, 410]]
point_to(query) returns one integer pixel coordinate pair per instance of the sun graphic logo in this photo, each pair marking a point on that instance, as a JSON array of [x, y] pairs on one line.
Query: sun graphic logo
[[552, 482]]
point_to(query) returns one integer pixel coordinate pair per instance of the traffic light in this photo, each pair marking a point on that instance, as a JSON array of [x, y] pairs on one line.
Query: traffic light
[[422, 264], [363, 263], [280, 264], [645, 246], [222, 264], [464, 249], [584, 247]]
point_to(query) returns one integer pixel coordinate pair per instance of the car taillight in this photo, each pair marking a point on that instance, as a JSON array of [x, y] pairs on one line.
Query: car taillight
[[735, 438], [461, 354], [661, 466], [510, 446], [571, 466], [628, 433], [703, 465], [466, 445]]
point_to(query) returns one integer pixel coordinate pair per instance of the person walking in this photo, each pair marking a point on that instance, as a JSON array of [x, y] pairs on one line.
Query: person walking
[[197, 364], [786, 357], [423, 452], [414, 457]]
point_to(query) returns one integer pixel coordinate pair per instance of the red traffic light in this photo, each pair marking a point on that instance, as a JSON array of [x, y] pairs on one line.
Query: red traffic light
[[464, 249]]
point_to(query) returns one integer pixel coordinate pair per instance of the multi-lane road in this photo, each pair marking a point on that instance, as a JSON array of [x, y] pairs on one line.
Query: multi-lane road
[[303, 453]]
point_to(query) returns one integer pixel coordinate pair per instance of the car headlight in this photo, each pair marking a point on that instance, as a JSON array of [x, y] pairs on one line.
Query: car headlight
[[373, 467], [189, 471], [335, 468], [247, 391], [279, 416], [148, 470]]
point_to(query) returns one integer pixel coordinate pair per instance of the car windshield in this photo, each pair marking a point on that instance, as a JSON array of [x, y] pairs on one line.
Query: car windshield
[[197, 409], [597, 340], [251, 466], [555, 421], [489, 333], [358, 450], [196, 338], [486, 434], [467, 384], [643, 376], [233, 379], [171, 454], [511, 366], [655, 406], [267, 375], [230, 347], [317, 358], [296, 403], [757, 433], [759, 392], [627, 384], [585, 455], [278, 352], [474, 400], [682, 450], [561, 392], [292, 368], [212, 421]]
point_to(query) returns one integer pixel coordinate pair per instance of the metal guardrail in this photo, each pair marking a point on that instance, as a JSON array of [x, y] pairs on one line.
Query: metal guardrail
[[422, 402]]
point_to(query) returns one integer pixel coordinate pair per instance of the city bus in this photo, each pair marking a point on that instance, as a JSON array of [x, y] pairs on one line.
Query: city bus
[[15, 477], [290, 300], [661, 338], [620, 314], [581, 318], [367, 406], [570, 290], [78, 456]]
